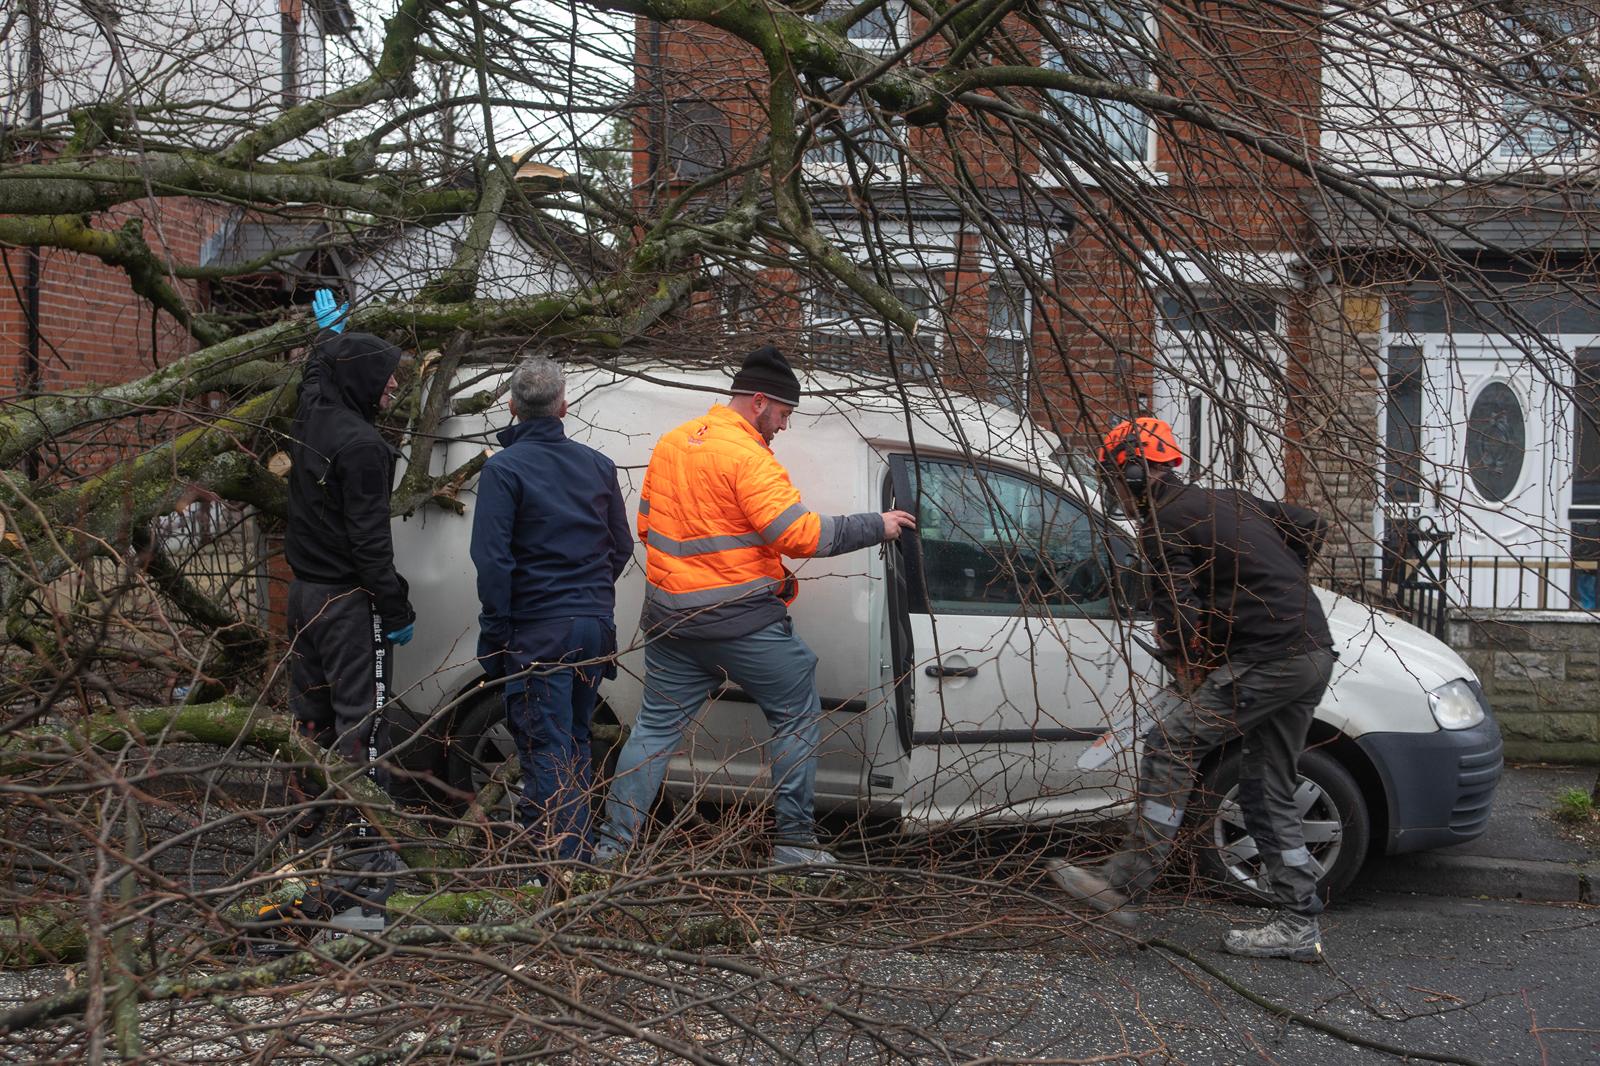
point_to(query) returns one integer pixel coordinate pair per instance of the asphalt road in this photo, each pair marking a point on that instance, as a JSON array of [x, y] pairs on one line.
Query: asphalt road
[[1485, 981]]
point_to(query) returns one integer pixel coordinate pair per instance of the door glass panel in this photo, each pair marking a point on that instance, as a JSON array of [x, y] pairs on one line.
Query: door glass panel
[[1496, 441], [1403, 424], [1586, 429], [996, 543]]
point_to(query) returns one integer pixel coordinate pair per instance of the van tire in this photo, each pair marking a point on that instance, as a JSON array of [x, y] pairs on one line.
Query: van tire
[[480, 742], [1336, 797]]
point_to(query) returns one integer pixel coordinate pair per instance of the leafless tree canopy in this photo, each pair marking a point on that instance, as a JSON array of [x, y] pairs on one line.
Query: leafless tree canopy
[[1258, 218]]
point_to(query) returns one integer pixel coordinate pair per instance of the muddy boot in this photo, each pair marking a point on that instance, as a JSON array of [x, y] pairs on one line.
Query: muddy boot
[[1288, 936]]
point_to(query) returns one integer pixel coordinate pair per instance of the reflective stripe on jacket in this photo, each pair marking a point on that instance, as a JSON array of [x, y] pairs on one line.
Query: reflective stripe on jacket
[[717, 513]]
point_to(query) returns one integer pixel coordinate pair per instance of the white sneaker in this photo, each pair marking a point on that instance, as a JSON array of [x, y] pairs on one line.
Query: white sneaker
[[1288, 936]]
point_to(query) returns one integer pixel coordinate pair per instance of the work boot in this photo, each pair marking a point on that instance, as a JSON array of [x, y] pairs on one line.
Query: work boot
[[1288, 936], [1089, 885]]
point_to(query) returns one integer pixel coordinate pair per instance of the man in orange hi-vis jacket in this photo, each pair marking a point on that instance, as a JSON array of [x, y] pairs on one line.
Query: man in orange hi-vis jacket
[[717, 515]]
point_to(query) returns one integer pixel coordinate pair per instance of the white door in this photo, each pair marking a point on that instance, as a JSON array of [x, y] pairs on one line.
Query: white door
[[1016, 659], [1493, 438], [1220, 384]]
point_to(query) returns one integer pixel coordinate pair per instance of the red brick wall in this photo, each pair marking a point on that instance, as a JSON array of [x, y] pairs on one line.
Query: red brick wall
[[1094, 333], [94, 329]]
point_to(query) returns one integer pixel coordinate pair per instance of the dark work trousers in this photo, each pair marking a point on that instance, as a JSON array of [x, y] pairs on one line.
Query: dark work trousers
[[1268, 706], [339, 671], [548, 707]]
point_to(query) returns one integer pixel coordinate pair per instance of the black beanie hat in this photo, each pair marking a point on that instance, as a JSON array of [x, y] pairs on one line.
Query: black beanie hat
[[766, 371]]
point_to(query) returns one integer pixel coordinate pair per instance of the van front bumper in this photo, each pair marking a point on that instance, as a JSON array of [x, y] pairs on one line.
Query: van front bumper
[[1440, 785]]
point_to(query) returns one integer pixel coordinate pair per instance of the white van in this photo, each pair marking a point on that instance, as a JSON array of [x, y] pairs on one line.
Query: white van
[[965, 671]]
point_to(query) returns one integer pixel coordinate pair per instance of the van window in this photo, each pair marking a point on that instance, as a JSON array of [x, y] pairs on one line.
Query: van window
[[998, 543]]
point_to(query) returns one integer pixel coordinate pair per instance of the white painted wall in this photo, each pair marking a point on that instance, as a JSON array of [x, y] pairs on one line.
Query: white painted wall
[[401, 267], [1410, 97]]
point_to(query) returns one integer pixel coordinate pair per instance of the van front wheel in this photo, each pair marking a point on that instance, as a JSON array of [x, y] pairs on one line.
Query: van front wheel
[[1333, 812]]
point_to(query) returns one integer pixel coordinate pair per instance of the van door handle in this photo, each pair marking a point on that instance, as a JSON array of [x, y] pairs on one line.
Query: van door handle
[[951, 671]]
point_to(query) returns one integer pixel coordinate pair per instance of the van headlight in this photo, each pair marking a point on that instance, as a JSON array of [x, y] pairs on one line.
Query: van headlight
[[1455, 705]]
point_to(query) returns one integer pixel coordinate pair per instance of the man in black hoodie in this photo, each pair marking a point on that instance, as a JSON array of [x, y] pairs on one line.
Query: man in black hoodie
[[348, 607], [1240, 628]]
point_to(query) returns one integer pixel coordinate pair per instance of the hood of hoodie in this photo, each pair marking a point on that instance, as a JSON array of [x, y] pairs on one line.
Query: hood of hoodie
[[352, 369]]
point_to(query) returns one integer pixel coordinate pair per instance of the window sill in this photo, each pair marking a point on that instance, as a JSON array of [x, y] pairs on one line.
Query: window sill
[[839, 174], [1144, 173]]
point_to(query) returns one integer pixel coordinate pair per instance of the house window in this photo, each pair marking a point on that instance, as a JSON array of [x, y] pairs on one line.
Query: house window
[[1585, 589], [1402, 421], [1110, 41], [1222, 386], [850, 132], [1542, 45], [847, 336], [881, 30], [699, 141], [1005, 346], [1221, 314], [1585, 512], [1506, 304]]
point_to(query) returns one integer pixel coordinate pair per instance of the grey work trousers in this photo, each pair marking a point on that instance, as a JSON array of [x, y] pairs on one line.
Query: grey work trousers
[[339, 663], [1268, 706]]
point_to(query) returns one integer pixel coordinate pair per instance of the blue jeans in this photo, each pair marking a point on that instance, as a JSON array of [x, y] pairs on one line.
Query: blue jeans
[[548, 711], [776, 669]]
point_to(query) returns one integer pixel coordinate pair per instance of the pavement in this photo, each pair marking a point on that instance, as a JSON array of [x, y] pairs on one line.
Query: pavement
[[1522, 855]]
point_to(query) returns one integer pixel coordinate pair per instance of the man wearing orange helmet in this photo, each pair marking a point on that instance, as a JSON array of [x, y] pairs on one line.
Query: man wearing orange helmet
[[1240, 628]]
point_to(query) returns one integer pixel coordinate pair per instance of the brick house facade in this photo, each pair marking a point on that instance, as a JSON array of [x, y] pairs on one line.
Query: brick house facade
[[1245, 288], [1094, 334], [69, 320]]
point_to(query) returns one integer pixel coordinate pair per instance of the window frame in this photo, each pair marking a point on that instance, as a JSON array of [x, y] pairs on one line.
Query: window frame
[[1586, 426], [1115, 547], [883, 46], [1520, 120], [848, 323], [1016, 296], [828, 161], [879, 151], [1403, 469], [1100, 45]]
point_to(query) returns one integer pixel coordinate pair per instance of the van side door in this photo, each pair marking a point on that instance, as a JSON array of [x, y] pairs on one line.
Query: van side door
[[1017, 658]]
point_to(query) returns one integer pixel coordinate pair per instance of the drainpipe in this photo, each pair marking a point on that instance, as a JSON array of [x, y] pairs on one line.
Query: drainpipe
[[31, 375], [658, 114]]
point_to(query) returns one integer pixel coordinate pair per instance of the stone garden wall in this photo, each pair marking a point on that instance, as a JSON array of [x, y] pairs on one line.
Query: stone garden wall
[[1541, 671]]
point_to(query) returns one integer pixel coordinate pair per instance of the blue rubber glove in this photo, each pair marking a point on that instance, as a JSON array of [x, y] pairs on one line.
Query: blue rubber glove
[[329, 315], [402, 635]]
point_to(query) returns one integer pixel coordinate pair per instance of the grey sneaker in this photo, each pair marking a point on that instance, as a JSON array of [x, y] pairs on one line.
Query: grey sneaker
[[1288, 936], [798, 855], [608, 859], [1089, 886]]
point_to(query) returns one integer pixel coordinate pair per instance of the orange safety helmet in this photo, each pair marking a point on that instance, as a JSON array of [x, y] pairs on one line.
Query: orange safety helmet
[[1154, 441]]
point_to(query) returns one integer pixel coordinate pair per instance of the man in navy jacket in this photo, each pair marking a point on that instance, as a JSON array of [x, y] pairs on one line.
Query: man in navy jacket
[[550, 537]]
